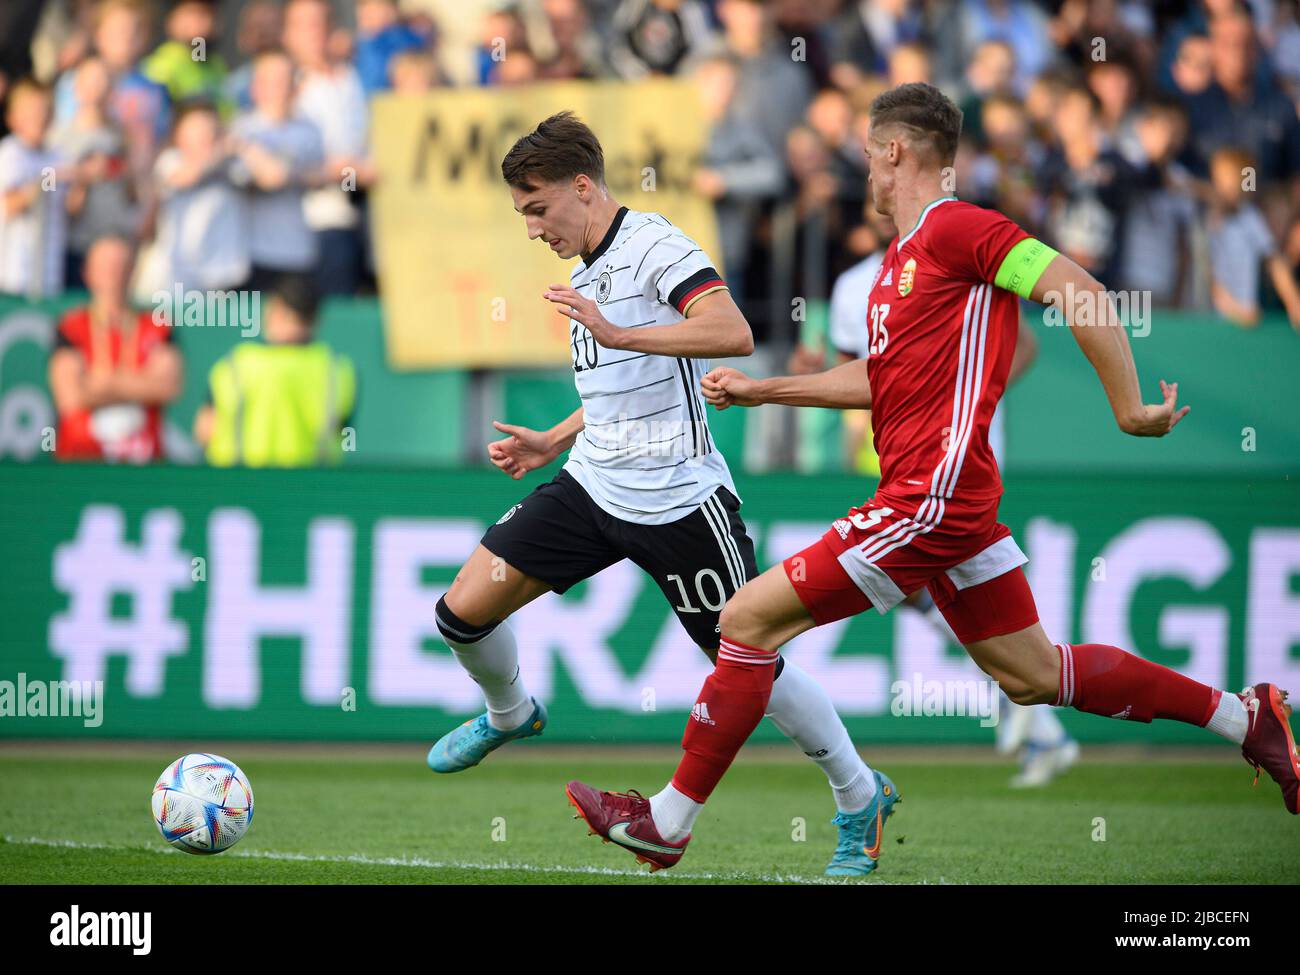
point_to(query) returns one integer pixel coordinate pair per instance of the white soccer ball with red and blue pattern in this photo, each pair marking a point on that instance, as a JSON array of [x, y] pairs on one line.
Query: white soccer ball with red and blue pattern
[[203, 803]]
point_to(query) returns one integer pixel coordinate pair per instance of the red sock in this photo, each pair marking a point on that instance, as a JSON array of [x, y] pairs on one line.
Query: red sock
[[1106, 680], [729, 708]]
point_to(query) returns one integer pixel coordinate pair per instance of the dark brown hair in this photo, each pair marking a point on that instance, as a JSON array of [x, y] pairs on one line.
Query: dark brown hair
[[926, 111], [560, 148]]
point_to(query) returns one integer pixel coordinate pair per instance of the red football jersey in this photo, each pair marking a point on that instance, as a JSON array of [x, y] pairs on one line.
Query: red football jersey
[[941, 341], [79, 436]]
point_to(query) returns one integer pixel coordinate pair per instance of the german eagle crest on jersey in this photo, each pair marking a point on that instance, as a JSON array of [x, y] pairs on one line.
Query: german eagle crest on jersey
[[604, 284]]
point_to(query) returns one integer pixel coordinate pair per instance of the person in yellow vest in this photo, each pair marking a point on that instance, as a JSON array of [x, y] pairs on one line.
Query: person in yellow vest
[[282, 402]]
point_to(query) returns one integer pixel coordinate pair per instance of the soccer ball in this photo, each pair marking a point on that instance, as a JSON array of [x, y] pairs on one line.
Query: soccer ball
[[202, 803]]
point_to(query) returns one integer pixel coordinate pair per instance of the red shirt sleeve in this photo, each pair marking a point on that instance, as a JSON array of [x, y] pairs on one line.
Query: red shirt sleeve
[[976, 241]]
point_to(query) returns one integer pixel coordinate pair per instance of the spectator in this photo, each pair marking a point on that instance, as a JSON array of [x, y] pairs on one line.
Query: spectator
[[964, 26], [738, 170], [1193, 68], [504, 37], [909, 63], [865, 35], [1239, 110], [330, 96], [1196, 20], [577, 49], [812, 208], [1095, 31], [381, 36], [830, 115], [261, 22], [771, 88], [414, 73], [113, 369], [102, 201], [33, 219], [1011, 160], [520, 67], [183, 64], [1158, 237], [1114, 82], [656, 37], [991, 72], [278, 156], [1240, 243], [203, 220], [1086, 183], [1283, 38], [121, 30], [282, 402], [1042, 101]]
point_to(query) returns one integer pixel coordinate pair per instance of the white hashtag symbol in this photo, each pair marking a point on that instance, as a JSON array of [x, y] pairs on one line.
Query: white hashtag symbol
[[98, 564]]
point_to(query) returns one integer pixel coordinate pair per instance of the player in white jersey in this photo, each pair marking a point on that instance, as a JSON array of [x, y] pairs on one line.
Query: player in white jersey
[[643, 480]]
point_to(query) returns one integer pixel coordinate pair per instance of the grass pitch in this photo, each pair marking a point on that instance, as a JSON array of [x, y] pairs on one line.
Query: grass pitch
[[80, 814]]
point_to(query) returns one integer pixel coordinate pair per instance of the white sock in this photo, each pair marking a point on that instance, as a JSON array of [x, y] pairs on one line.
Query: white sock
[[673, 814], [804, 713], [493, 662], [1229, 718], [1045, 728], [1015, 725]]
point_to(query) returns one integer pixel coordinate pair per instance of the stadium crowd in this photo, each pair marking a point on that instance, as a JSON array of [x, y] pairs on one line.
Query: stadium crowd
[[226, 143], [1157, 144]]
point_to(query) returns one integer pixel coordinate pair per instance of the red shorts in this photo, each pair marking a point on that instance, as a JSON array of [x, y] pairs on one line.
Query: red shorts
[[882, 552]]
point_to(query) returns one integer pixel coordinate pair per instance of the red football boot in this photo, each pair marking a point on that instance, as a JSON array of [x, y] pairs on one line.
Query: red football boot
[[1269, 744], [624, 818]]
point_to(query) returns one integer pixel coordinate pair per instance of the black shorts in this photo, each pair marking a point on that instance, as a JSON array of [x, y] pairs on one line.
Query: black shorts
[[560, 535]]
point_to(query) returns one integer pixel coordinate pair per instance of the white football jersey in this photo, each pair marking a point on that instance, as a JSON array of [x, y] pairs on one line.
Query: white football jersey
[[645, 454], [848, 315]]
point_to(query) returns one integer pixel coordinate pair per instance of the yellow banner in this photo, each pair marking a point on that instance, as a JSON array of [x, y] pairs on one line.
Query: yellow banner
[[461, 282]]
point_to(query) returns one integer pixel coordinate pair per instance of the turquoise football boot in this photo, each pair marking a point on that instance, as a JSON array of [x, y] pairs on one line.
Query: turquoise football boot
[[466, 746], [861, 833]]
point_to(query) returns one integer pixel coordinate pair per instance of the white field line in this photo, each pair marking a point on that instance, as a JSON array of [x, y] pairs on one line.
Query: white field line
[[421, 863]]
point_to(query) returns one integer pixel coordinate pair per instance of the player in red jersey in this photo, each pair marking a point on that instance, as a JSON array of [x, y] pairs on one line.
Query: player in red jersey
[[942, 317]]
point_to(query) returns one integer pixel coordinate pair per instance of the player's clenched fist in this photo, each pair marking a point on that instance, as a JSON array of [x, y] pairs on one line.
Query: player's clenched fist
[[724, 386], [584, 310], [523, 451]]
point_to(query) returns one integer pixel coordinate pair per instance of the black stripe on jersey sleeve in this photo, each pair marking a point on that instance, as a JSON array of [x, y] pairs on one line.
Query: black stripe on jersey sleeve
[[701, 278]]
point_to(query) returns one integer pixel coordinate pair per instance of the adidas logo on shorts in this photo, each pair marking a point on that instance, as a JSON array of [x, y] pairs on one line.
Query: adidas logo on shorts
[[842, 526]]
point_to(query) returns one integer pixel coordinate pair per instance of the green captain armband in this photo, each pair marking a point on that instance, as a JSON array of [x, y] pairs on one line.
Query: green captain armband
[[1023, 266]]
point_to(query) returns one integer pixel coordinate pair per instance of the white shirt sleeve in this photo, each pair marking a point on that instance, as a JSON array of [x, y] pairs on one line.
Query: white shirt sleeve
[[678, 269]]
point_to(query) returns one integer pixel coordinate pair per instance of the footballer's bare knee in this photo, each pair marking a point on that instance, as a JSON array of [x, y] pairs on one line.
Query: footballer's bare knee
[[1025, 664], [487, 589], [765, 612], [741, 618]]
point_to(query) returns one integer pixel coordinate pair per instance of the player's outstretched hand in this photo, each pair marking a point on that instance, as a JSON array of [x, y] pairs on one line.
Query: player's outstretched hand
[[1158, 420], [584, 310], [724, 386], [522, 451]]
